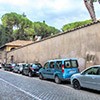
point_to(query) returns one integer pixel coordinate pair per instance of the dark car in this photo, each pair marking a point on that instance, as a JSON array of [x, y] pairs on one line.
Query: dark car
[[31, 69], [9, 67]]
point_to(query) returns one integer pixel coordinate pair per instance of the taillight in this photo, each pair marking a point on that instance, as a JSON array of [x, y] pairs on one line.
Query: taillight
[[11, 66], [62, 68], [31, 68]]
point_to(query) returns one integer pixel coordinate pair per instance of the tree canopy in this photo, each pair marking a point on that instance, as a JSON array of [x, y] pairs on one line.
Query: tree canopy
[[74, 25], [15, 26]]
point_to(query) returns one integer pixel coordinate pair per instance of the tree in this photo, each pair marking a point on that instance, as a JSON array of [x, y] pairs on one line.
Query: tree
[[90, 7], [74, 25], [15, 26], [42, 29], [5, 35], [18, 25]]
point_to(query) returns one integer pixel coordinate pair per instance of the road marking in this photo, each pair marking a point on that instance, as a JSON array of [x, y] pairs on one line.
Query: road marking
[[21, 89]]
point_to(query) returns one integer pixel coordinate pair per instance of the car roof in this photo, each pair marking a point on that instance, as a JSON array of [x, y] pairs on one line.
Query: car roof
[[62, 59], [94, 66], [90, 67], [21, 63]]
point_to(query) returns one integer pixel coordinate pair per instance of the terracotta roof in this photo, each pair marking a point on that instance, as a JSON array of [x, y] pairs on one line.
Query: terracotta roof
[[19, 43]]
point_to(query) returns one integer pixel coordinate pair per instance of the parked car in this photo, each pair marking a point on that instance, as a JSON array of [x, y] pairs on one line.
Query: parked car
[[9, 67], [59, 69], [89, 78], [31, 69], [19, 67], [0, 65]]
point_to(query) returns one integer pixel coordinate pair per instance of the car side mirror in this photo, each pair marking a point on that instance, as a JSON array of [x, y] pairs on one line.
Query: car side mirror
[[43, 67]]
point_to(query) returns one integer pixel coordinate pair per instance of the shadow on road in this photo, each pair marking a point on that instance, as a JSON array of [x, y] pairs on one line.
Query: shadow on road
[[63, 82], [68, 84], [90, 90]]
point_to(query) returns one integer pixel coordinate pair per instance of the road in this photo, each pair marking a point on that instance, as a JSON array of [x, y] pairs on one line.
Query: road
[[18, 87]]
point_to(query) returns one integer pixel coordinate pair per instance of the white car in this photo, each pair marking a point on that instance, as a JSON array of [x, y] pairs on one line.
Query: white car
[[0, 66], [89, 78]]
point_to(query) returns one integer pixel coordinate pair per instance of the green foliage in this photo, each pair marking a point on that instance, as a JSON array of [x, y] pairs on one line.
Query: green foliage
[[5, 35], [15, 26], [42, 29], [74, 25], [15, 20]]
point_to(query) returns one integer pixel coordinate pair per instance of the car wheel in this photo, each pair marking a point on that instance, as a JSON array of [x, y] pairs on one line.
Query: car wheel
[[18, 72], [41, 76], [22, 72], [76, 84], [30, 74], [57, 80]]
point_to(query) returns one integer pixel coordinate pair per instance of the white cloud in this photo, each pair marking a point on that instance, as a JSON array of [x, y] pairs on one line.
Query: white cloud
[[15, 2], [54, 12]]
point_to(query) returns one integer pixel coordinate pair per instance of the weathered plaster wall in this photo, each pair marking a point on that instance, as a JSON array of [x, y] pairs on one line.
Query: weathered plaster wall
[[77, 43]]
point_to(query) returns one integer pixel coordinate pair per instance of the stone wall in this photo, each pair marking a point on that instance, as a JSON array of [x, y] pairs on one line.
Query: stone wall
[[82, 43]]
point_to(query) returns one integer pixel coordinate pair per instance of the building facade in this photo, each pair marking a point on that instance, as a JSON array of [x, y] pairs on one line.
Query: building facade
[[9, 47]]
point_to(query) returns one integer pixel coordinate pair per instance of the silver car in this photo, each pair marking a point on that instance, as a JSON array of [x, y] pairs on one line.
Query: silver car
[[89, 78]]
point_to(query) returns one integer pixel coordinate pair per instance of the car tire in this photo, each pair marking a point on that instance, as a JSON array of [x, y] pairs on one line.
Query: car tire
[[18, 72], [41, 76], [57, 80], [22, 72], [76, 84], [30, 74]]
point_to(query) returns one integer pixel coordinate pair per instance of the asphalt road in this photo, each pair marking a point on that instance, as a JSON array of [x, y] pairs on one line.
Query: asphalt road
[[18, 87]]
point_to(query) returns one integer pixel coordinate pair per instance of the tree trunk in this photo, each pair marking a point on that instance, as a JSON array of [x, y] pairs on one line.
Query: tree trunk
[[90, 8]]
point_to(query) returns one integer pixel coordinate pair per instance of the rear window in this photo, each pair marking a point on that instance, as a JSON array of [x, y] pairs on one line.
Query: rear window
[[70, 63], [36, 65], [74, 63], [13, 64], [7, 65]]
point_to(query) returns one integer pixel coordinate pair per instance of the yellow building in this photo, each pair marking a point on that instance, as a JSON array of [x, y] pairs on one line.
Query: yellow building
[[11, 46], [14, 44]]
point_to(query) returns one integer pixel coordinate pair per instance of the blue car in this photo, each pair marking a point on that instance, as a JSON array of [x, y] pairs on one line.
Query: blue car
[[59, 69]]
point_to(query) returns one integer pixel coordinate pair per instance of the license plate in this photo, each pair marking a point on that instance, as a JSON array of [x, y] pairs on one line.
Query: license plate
[[37, 72]]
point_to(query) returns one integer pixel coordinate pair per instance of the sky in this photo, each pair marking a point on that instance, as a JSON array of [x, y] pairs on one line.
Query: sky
[[55, 13]]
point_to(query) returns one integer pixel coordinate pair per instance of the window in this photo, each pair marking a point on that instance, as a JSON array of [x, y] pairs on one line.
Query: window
[[70, 63], [34, 66], [59, 64], [52, 64], [92, 71], [46, 65], [67, 64], [74, 63], [98, 71]]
